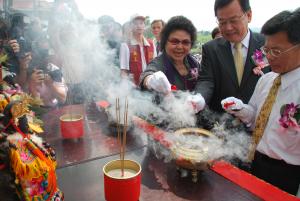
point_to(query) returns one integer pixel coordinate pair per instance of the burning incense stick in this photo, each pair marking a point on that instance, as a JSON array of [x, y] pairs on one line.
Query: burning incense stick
[[118, 124], [122, 138], [124, 134]]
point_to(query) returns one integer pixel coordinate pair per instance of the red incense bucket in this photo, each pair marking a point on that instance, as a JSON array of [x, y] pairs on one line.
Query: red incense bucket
[[71, 126], [118, 188]]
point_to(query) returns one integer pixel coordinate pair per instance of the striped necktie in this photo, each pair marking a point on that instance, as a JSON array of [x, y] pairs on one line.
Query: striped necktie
[[263, 116], [238, 61]]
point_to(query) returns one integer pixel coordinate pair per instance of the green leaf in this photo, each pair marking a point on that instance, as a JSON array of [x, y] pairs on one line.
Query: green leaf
[[282, 109]]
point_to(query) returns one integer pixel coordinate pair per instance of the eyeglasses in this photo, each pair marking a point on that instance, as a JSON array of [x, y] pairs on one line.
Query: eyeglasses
[[175, 41], [232, 21], [276, 52]]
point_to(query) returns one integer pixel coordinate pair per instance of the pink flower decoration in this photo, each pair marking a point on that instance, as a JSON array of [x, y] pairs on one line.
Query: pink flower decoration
[[260, 61], [258, 56], [290, 116]]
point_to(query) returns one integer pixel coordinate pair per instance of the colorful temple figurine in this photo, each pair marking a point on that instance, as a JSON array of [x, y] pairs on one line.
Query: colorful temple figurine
[[27, 164]]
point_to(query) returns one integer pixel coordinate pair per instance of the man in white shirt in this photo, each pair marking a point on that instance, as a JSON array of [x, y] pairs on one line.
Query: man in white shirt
[[277, 155]]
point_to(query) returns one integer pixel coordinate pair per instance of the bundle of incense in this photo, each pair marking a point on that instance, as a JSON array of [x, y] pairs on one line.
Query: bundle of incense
[[122, 135]]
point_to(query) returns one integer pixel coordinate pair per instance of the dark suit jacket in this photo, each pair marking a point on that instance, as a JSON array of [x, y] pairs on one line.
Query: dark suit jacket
[[218, 79]]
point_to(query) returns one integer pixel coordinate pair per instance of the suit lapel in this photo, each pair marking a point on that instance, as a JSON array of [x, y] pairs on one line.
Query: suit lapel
[[249, 65], [225, 56]]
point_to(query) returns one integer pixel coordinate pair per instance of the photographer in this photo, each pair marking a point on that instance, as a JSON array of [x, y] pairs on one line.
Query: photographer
[[45, 79], [9, 48], [19, 25], [17, 49]]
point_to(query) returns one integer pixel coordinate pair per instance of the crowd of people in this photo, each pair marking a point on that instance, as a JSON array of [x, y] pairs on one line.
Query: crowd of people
[[26, 52], [224, 80]]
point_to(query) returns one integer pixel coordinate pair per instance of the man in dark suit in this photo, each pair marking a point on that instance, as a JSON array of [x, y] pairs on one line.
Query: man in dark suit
[[220, 76]]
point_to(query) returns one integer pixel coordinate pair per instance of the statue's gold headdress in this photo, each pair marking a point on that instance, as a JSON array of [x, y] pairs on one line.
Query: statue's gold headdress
[[21, 108]]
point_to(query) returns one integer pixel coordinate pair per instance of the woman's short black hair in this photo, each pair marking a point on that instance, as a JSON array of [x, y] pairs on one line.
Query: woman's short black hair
[[178, 23], [285, 21]]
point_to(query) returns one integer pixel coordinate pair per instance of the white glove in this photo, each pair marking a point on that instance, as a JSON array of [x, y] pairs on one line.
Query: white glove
[[158, 82], [237, 108], [232, 104], [197, 101]]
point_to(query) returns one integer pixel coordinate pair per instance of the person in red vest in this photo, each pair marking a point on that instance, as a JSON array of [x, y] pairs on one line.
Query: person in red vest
[[137, 52]]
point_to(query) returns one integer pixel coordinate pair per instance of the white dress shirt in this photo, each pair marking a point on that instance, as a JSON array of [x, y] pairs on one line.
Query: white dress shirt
[[155, 46], [245, 46], [277, 142]]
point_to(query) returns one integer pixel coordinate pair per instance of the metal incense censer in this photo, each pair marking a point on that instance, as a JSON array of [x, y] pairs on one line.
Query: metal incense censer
[[195, 160]]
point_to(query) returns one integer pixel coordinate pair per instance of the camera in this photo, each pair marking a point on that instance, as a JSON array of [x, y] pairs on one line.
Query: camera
[[17, 32], [56, 75], [40, 62], [25, 46]]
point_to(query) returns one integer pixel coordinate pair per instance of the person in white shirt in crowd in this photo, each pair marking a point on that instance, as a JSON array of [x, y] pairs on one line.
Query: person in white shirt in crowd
[[137, 52], [273, 111], [156, 27]]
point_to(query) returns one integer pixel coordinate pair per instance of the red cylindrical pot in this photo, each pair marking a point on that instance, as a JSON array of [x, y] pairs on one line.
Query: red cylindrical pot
[[118, 188], [71, 126]]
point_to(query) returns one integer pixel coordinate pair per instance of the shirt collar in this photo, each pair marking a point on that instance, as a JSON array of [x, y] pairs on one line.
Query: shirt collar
[[245, 41], [135, 42], [290, 77]]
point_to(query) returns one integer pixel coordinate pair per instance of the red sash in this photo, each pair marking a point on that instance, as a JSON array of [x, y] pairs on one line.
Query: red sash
[[135, 59]]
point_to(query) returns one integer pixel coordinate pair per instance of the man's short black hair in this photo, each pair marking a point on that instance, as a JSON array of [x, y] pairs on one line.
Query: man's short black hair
[[285, 21], [178, 23], [245, 5]]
